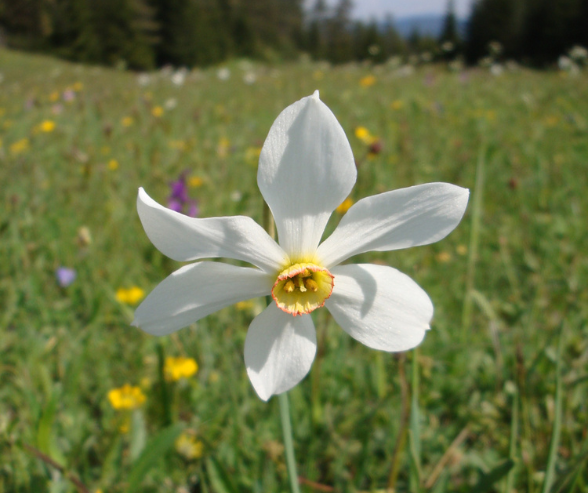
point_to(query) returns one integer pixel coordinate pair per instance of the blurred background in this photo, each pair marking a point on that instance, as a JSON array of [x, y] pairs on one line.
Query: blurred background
[[145, 34], [98, 98]]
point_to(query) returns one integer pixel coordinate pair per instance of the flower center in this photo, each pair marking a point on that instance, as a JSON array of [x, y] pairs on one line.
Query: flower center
[[302, 288]]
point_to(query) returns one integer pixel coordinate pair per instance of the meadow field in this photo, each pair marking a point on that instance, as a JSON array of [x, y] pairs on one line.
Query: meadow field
[[494, 399]]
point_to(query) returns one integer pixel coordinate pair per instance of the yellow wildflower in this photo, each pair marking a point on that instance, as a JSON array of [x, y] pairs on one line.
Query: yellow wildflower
[[180, 367], [365, 136], [47, 126], [189, 447], [78, 86], [113, 164], [195, 181], [127, 121], [367, 81], [344, 206], [19, 146], [397, 105], [361, 133], [54, 96], [462, 249], [130, 296], [157, 111], [126, 397]]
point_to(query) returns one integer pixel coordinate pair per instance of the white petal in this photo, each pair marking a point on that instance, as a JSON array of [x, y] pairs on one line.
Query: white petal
[[399, 219], [186, 238], [279, 350], [306, 169], [380, 306], [195, 291]]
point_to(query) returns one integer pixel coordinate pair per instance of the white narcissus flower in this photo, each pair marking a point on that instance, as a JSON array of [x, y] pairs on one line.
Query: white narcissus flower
[[306, 169]]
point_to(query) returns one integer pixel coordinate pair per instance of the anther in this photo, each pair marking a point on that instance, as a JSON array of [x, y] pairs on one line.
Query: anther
[[301, 285], [311, 285], [289, 286]]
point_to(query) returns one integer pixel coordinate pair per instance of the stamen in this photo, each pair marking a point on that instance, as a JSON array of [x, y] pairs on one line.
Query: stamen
[[302, 288], [311, 285], [301, 284]]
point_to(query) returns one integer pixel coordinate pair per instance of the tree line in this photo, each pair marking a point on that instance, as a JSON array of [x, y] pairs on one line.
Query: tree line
[[144, 34], [535, 32]]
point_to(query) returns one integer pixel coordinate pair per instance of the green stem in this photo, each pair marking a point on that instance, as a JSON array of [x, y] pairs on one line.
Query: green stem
[[288, 442], [466, 316], [164, 389], [414, 432], [268, 222]]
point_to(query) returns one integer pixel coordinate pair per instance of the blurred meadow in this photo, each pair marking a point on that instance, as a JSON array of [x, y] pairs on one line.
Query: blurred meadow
[[89, 403]]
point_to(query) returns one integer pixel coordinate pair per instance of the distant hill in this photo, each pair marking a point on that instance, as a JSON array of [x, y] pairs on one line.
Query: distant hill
[[426, 24]]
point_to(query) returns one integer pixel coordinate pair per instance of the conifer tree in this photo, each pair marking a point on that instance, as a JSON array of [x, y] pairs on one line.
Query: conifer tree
[[449, 34], [393, 43], [550, 29], [73, 35], [316, 36], [340, 42], [121, 41]]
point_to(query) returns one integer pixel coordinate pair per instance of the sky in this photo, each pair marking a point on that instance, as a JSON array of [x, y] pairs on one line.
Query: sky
[[366, 9]]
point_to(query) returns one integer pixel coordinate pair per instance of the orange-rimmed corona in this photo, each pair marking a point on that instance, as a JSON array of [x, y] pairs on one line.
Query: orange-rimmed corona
[[302, 288]]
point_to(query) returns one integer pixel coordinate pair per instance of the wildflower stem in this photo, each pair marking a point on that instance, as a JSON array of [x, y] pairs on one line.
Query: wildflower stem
[[466, 317], [268, 222], [414, 431], [288, 441], [165, 401], [403, 428]]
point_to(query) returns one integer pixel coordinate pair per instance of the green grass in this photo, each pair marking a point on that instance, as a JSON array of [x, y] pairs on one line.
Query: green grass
[[63, 349]]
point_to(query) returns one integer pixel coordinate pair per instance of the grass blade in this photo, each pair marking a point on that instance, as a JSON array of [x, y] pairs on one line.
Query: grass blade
[[555, 435], [486, 482], [478, 195], [514, 432], [218, 477], [153, 452], [576, 468], [414, 432]]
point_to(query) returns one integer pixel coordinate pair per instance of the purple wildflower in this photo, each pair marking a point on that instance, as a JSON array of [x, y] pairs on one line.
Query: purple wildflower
[[174, 205], [179, 200], [179, 190], [65, 276], [193, 210]]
